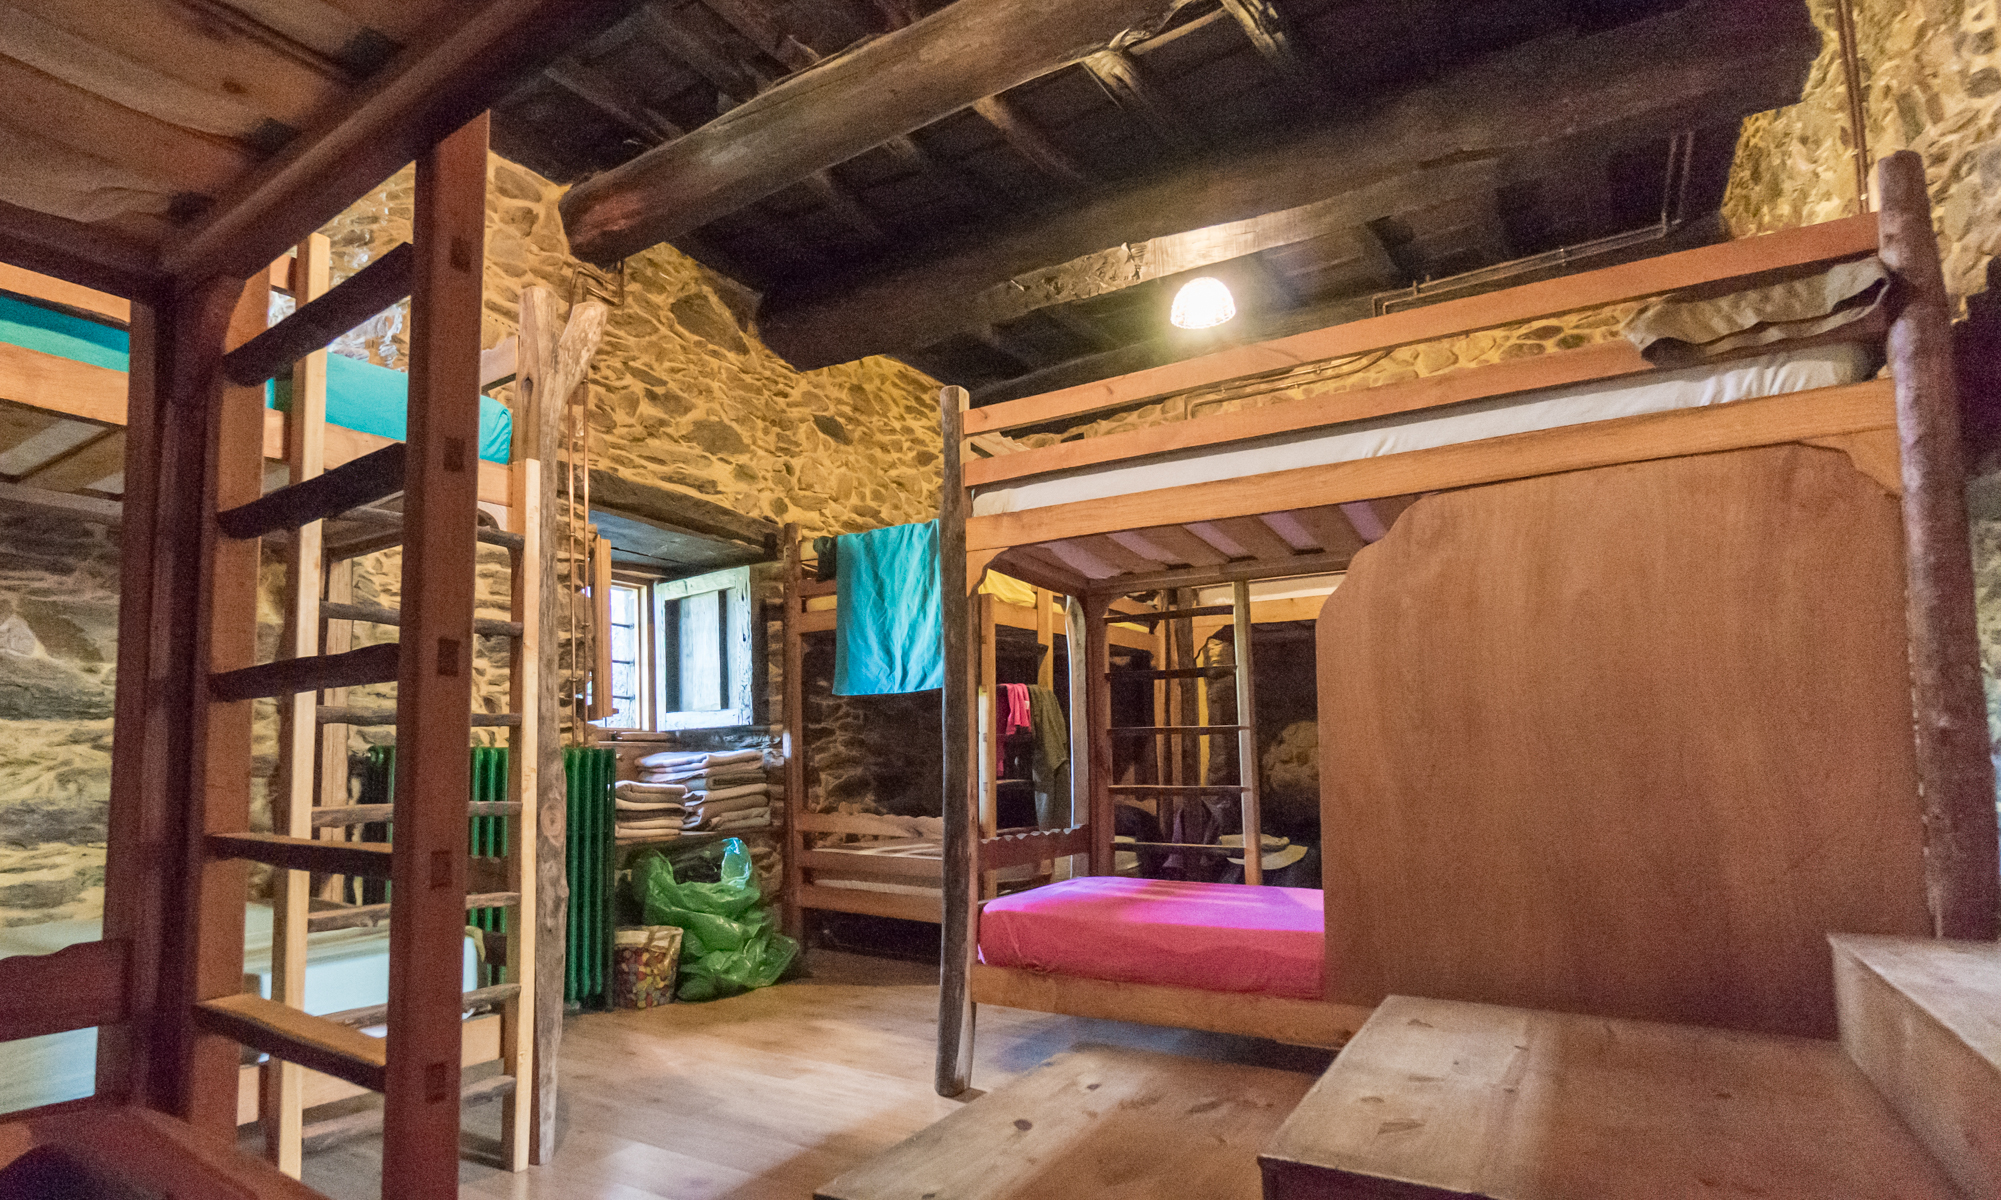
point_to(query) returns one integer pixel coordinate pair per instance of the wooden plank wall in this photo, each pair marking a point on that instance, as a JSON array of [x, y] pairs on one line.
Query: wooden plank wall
[[1629, 741]]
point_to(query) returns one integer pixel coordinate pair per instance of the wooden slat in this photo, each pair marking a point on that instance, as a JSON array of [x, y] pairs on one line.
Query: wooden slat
[[958, 716], [1180, 546], [472, 1001], [375, 614], [1115, 555], [63, 385], [1256, 537], [15, 498], [1035, 565], [847, 862], [363, 916], [794, 620], [312, 1042], [1250, 569], [87, 255], [869, 824], [379, 285], [368, 814], [366, 859], [23, 282], [96, 462], [290, 676], [433, 87], [1251, 1014], [345, 445], [349, 485], [73, 988], [1848, 408], [1150, 619], [902, 906], [1827, 242], [1015, 849], [1330, 529], [344, 714]]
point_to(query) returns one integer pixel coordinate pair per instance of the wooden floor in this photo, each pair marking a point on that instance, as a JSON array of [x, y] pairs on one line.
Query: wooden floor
[[770, 1094]]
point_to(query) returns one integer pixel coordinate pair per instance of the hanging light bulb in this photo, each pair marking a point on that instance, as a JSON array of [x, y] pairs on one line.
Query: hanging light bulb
[[1202, 304]]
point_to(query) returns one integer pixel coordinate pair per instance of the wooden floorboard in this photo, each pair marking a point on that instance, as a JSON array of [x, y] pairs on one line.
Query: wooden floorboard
[[767, 1095]]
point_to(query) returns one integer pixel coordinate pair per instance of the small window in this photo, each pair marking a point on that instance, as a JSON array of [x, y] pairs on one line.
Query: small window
[[631, 613], [701, 641]]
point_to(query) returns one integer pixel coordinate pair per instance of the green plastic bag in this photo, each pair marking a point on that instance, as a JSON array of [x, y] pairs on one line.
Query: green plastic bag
[[728, 944]]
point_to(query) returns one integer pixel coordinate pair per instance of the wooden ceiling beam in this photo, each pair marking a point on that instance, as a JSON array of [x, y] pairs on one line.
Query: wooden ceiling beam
[[1127, 88], [759, 28], [430, 89], [1028, 141], [78, 253], [1271, 33], [588, 84], [834, 111], [1520, 113]]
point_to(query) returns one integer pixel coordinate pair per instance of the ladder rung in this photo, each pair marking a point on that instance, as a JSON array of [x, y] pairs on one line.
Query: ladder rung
[[375, 614], [350, 485], [361, 916], [320, 320], [393, 521], [331, 1132], [1161, 730], [1178, 787], [341, 714], [1178, 846], [283, 1032], [1172, 614], [290, 676], [368, 814], [369, 860], [376, 1014], [1221, 671]]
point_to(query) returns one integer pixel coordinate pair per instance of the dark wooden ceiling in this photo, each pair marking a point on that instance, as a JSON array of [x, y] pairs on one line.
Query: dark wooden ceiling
[[1312, 153]]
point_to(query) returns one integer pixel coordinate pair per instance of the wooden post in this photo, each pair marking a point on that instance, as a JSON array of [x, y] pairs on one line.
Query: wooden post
[[420, 1134], [601, 701], [543, 409], [986, 744], [961, 851], [1098, 725], [794, 685], [152, 818], [1076, 636], [338, 639], [292, 791], [210, 959], [524, 766], [1955, 772], [1247, 739]]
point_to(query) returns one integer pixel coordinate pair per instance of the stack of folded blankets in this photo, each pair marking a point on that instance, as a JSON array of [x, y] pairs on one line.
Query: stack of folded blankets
[[724, 792], [644, 811]]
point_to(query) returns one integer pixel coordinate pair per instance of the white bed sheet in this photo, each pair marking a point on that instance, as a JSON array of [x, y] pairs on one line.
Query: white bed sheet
[[1696, 387]]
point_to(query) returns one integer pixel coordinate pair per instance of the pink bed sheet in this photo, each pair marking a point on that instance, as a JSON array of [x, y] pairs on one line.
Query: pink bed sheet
[[1219, 937]]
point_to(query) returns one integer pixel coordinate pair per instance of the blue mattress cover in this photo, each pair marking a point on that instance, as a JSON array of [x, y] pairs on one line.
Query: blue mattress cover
[[360, 395]]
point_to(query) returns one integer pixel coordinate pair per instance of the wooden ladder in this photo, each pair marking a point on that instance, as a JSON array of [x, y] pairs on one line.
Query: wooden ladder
[[1175, 727], [417, 1066]]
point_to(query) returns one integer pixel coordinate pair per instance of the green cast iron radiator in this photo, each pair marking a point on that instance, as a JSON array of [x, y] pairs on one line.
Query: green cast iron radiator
[[589, 771]]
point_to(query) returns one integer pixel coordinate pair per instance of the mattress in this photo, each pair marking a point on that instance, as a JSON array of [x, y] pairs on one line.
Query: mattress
[[360, 395], [1774, 374], [1216, 937]]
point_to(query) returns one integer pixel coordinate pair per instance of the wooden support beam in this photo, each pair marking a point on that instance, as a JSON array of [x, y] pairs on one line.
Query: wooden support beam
[[1484, 126], [1962, 876], [1120, 77], [291, 676], [434, 687], [1028, 141], [367, 860], [1271, 33], [961, 879], [830, 113], [432, 88], [77, 253], [320, 320], [16, 498], [314, 1043]]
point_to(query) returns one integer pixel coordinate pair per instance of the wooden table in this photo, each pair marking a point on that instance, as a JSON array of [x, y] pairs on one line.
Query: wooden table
[[1097, 1122], [1440, 1098]]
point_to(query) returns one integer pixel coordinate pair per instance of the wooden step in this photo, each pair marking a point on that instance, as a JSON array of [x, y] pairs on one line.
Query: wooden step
[[341, 714], [375, 614], [290, 676], [367, 860], [350, 485], [473, 1001], [1167, 730], [393, 521], [1922, 1019], [286, 1033], [377, 286], [1438, 1098], [363, 916], [1175, 788], [368, 814], [1221, 671]]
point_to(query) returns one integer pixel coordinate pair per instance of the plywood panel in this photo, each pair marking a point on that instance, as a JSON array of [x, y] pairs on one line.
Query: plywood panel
[[1630, 741]]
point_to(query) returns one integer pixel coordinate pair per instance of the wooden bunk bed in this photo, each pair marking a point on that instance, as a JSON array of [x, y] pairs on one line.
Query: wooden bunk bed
[[885, 866], [1901, 837]]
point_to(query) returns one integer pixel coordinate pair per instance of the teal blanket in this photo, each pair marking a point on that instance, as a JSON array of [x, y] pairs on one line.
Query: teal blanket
[[360, 395], [889, 625]]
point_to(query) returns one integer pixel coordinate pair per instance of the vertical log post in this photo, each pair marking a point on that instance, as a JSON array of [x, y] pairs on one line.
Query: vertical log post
[[794, 684], [1098, 725], [1247, 737], [1955, 771], [987, 745], [540, 406], [420, 1134], [961, 867]]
